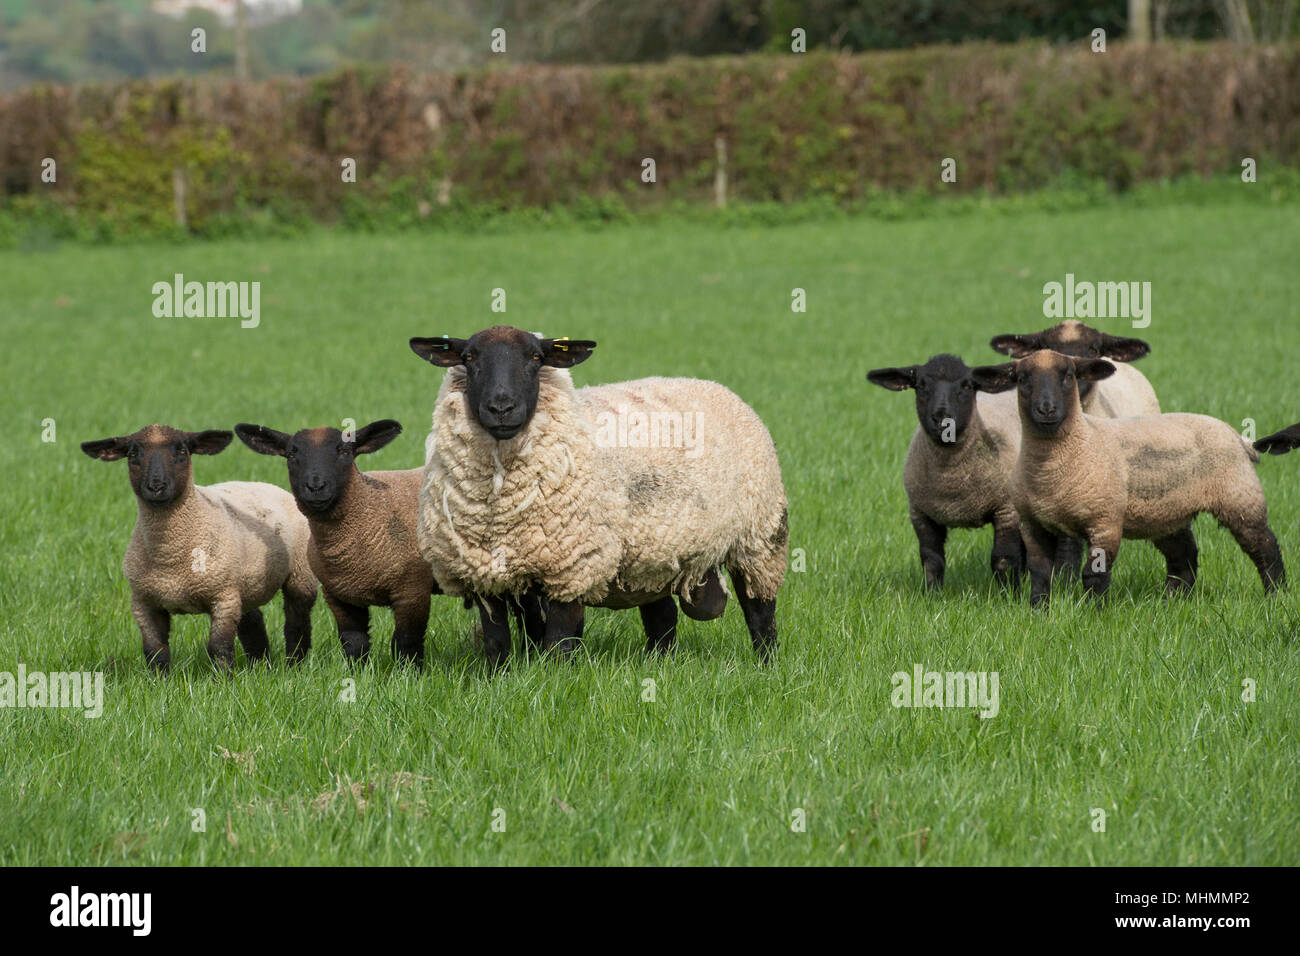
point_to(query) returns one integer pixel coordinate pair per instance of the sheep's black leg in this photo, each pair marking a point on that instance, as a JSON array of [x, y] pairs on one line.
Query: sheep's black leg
[[1007, 559], [1069, 553], [410, 620], [252, 635], [494, 614], [532, 611], [1040, 550], [1179, 550], [707, 601], [931, 536], [1099, 561], [155, 629], [297, 623], [659, 618], [760, 616], [221, 635], [353, 622], [1257, 540], [563, 625]]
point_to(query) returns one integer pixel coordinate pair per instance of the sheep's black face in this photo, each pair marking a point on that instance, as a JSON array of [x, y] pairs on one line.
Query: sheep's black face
[[1076, 340], [158, 458], [322, 461], [1047, 384], [1048, 390], [320, 465], [501, 382], [502, 368], [945, 395]]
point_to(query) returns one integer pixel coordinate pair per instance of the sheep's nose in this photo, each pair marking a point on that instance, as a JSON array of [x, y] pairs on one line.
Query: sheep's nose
[[314, 483], [155, 484], [1045, 407], [501, 405]]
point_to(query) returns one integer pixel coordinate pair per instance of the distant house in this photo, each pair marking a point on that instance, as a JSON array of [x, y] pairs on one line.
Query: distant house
[[258, 11]]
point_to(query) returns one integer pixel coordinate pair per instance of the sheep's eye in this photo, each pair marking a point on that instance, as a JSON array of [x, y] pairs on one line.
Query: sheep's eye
[[133, 454], [966, 386], [537, 356], [180, 451]]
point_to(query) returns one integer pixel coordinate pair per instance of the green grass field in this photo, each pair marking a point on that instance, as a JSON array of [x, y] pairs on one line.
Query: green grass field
[[1135, 709]]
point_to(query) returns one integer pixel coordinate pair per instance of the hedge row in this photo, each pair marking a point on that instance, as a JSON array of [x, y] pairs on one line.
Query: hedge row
[[795, 127]]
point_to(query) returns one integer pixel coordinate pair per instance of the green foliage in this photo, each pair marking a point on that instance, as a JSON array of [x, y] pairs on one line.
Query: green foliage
[[447, 151], [80, 41]]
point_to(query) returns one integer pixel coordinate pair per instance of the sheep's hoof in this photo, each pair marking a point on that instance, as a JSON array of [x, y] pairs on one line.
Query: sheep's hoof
[[562, 649], [356, 646]]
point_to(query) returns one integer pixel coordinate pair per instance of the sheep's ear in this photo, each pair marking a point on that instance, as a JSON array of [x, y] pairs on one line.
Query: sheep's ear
[[1017, 346], [1121, 349], [208, 442], [566, 353], [894, 379], [994, 378], [375, 436], [263, 440], [107, 449], [1092, 370], [1279, 443], [441, 350]]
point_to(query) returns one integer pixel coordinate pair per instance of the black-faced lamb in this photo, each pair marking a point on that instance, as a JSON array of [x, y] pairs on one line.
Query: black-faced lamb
[[1104, 479], [363, 530], [221, 550], [957, 473], [611, 496], [1126, 393]]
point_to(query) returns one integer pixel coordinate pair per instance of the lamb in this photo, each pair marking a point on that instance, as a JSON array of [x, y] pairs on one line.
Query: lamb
[[1104, 479], [1124, 394], [958, 469], [612, 496], [362, 547], [221, 550], [957, 473]]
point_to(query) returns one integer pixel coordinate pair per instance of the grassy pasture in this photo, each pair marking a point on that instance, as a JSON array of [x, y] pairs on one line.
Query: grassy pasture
[[1135, 709]]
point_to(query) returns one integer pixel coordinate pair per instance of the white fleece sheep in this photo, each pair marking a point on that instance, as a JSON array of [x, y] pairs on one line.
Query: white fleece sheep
[[612, 496]]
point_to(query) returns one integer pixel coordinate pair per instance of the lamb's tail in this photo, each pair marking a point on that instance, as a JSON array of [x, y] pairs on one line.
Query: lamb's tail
[[1250, 450], [1279, 443]]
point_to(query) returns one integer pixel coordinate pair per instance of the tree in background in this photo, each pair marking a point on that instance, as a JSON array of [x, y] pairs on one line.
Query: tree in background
[[78, 41]]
